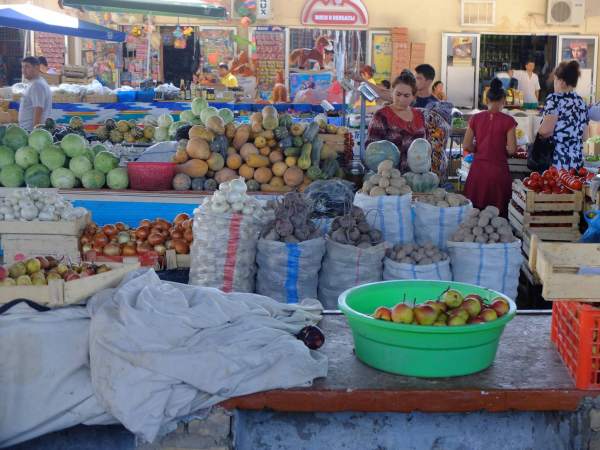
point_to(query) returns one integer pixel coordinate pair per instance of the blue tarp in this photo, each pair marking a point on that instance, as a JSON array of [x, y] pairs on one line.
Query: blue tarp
[[30, 17]]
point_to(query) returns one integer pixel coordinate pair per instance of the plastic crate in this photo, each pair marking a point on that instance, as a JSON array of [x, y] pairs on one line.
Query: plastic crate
[[576, 334], [151, 176], [126, 96], [146, 95]]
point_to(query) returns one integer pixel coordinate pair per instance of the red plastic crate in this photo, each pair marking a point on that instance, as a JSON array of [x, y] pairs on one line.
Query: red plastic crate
[[151, 176], [576, 334]]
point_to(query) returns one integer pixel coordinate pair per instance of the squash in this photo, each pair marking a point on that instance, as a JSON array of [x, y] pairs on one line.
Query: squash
[[231, 151], [315, 155], [246, 171], [256, 118], [288, 142], [275, 156], [220, 145], [225, 174], [270, 118], [193, 168], [292, 151], [304, 161], [380, 151], [180, 156], [256, 129], [198, 148], [272, 143], [314, 173], [216, 162], [215, 124], [281, 133], [297, 129], [285, 120], [256, 161], [419, 156], [279, 168], [277, 182], [265, 151], [242, 134], [247, 150], [234, 161], [422, 182], [311, 131], [263, 175], [230, 130], [297, 141], [293, 176], [260, 142], [252, 186], [291, 161], [182, 182], [328, 152], [267, 134], [330, 168], [275, 189], [198, 131]]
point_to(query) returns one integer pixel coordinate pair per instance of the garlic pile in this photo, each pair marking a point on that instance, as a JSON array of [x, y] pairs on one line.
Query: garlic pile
[[387, 181], [231, 197], [484, 227], [33, 204], [416, 255], [443, 199]]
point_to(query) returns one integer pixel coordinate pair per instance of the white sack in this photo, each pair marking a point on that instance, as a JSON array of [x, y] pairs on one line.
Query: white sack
[[392, 214], [393, 270], [437, 225]]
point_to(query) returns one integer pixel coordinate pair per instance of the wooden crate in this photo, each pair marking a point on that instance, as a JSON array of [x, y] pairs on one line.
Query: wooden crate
[[100, 98], [530, 201], [71, 228], [335, 141], [60, 293], [558, 265], [30, 245], [66, 98], [175, 261], [550, 226]]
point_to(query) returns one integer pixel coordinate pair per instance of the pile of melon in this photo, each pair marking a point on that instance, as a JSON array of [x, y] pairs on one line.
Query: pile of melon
[[271, 153]]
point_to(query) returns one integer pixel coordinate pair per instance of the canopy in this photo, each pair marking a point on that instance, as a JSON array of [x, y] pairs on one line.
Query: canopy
[[180, 8], [31, 17]]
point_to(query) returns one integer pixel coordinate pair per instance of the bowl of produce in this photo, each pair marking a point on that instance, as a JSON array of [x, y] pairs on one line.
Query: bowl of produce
[[426, 328]]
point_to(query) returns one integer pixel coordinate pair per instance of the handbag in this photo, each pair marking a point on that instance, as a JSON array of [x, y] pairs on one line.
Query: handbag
[[540, 154]]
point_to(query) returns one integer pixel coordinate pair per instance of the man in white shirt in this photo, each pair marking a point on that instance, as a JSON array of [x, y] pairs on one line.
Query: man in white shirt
[[36, 103], [529, 83]]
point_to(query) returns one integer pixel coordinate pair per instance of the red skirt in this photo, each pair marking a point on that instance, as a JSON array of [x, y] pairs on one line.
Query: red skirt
[[488, 184]]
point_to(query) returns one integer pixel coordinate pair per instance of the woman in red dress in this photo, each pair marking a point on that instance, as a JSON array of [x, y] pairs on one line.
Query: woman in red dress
[[399, 122], [491, 136]]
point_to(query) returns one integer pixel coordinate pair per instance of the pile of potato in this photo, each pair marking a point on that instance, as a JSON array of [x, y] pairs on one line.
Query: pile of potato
[[353, 229], [387, 181], [416, 255], [443, 199], [484, 227]]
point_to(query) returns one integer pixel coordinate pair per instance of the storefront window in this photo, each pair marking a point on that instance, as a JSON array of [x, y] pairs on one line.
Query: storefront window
[[11, 53]]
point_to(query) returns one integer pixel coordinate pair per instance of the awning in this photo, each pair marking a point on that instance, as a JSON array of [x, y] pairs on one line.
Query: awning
[[181, 8], [31, 17]]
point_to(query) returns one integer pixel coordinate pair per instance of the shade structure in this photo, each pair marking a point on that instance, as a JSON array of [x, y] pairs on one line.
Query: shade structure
[[31, 17], [179, 8]]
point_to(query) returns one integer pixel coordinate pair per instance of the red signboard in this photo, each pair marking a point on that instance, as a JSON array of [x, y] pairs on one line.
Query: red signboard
[[335, 12]]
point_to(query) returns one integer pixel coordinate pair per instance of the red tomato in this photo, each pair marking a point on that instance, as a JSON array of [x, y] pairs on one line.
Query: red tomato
[[552, 183], [535, 175], [576, 185], [547, 175], [546, 191], [556, 190], [553, 170], [583, 172], [573, 172], [589, 176]]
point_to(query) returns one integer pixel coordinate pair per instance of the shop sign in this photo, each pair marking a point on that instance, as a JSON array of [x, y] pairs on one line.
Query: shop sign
[[263, 9], [334, 12]]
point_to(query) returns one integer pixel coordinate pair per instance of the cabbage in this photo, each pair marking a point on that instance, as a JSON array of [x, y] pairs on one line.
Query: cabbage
[[208, 113], [380, 151], [89, 154], [165, 120], [53, 157], [7, 156], [150, 121], [105, 162], [26, 156], [187, 116], [227, 115], [117, 178], [161, 134], [94, 179], [40, 139], [174, 127], [11, 176], [98, 148], [15, 137], [37, 176], [80, 165], [73, 145], [198, 105], [63, 178]]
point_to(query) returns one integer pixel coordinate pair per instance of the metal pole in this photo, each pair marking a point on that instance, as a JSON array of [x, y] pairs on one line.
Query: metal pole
[[363, 123]]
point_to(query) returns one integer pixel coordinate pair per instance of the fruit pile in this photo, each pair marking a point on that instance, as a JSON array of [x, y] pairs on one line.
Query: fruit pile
[[554, 181], [125, 131], [41, 270], [150, 236], [452, 309]]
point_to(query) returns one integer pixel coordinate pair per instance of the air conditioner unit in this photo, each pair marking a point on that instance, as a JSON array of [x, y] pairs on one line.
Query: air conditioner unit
[[566, 12]]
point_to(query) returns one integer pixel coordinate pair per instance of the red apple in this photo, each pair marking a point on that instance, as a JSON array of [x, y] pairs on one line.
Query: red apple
[[488, 314], [501, 306], [425, 314], [383, 313], [402, 313]]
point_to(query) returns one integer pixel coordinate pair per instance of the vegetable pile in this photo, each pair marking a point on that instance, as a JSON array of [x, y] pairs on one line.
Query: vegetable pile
[[127, 131], [443, 199], [353, 229], [421, 178], [484, 227], [292, 223], [387, 181], [416, 255], [553, 181], [31, 204], [232, 198]]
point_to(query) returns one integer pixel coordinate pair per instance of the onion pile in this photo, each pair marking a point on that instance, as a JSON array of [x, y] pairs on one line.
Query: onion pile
[[150, 236], [33, 204], [232, 198]]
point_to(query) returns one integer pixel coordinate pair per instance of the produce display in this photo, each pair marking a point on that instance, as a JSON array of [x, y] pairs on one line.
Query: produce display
[[231, 197], [292, 222], [484, 227], [443, 199], [58, 132], [41, 270], [32, 204], [158, 236], [353, 229], [127, 131], [387, 181], [459, 123], [415, 254], [420, 177], [451, 309], [554, 181]]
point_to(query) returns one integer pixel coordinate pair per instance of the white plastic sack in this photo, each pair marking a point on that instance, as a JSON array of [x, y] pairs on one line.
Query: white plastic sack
[[160, 351], [289, 272], [159, 152], [393, 216], [393, 270], [437, 225], [224, 251], [45, 382], [492, 266], [346, 266]]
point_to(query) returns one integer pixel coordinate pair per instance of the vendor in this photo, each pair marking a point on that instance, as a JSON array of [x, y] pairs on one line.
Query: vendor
[[489, 181], [36, 104], [399, 122], [227, 79], [529, 84]]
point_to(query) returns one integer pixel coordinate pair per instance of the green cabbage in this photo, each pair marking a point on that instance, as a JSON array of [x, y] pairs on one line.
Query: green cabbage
[[7, 156], [73, 145], [62, 178], [37, 176], [80, 165], [94, 179], [15, 137], [11, 176], [117, 178], [105, 162], [198, 105], [53, 157], [227, 115], [26, 156], [40, 139]]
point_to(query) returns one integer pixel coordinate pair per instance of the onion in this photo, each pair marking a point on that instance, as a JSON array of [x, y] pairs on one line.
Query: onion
[[112, 250], [129, 250], [187, 224], [162, 224], [90, 229], [100, 240], [123, 237], [160, 249], [181, 247], [109, 230], [188, 236], [145, 223], [155, 239], [176, 234], [142, 232], [180, 218], [144, 248]]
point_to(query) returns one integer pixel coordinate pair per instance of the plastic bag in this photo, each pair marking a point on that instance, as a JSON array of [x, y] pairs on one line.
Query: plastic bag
[[437, 225], [159, 152], [393, 216], [330, 198], [393, 270], [592, 234]]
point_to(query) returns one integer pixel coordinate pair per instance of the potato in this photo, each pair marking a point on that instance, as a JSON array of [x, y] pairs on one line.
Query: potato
[[384, 182], [377, 191]]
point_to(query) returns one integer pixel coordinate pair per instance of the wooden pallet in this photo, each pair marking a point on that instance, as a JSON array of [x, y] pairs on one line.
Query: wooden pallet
[[530, 201], [36, 227], [31, 245], [562, 227]]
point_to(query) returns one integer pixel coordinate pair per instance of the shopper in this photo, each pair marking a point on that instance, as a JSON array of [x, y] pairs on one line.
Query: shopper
[[489, 181], [529, 83], [565, 117], [226, 77], [386, 84], [425, 77], [36, 103], [399, 122], [438, 91]]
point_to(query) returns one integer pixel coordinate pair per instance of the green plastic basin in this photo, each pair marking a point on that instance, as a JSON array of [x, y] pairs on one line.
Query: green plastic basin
[[415, 350]]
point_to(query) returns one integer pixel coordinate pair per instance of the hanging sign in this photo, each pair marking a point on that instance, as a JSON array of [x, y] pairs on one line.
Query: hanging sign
[[334, 12], [263, 9]]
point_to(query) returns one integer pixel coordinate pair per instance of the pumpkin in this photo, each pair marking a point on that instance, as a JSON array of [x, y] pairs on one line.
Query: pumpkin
[[198, 131], [330, 168], [297, 141], [328, 152], [263, 175], [198, 148], [182, 182], [252, 186], [231, 151], [380, 151], [216, 162], [270, 118], [230, 130], [224, 175], [419, 156], [256, 129], [272, 143], [246, 171], [297, 129], [256, 118], [242, 134], [180, 156], [422, 182], [234, 161], [193, 168], [293, 176], [311, 131], [256, 161], [268, 134], [265, 151], [281, 133], [247, 150], [279, 168], [220, 145], [288, 142], [275, 189], [277, 182], [275, 156], [304, 161], [260, 142], [215, 124], [292, 151], [291, 161], [314, 173], [285, 120]]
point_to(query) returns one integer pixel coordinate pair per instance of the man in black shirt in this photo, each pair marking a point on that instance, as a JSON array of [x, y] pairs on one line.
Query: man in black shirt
[[425, 77]]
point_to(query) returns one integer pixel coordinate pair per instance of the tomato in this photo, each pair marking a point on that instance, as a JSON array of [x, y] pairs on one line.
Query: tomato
[[583, 172], [573, 172], [546, 191], [576, 185], [535, 175], [556, 190], [589, 176], [546, 174], [552, 183], [553, 170]]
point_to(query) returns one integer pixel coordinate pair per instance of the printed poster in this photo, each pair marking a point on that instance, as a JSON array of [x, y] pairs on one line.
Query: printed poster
[[381, 52], [310, 87]]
